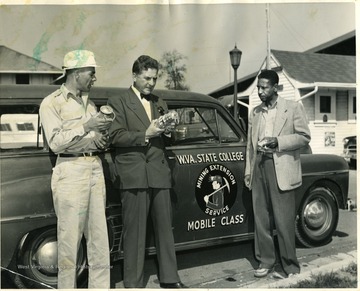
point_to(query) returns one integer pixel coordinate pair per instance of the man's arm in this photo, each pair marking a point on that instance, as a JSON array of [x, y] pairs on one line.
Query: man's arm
[[57, 138], [80, 138], [119, 132], [301, 133]]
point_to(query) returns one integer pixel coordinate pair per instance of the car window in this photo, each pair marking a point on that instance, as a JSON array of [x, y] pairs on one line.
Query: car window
[[202, 125], [20, 127]]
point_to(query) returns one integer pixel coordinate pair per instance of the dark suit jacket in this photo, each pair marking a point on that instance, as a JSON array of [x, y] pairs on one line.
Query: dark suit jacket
[[138, 164]]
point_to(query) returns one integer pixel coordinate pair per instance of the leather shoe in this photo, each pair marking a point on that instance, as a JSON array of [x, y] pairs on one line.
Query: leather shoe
[[176, 285], [262, 272]]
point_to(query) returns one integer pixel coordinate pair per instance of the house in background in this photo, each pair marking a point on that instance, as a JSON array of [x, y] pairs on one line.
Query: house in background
[[322, 78], [326, 86], [17, 68]]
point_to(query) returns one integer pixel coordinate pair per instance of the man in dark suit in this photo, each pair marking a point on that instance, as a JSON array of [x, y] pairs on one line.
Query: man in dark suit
[[144, 175]]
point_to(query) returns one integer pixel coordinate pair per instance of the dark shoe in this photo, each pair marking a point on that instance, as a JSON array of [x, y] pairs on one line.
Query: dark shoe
[[176, 285], [262, 272]]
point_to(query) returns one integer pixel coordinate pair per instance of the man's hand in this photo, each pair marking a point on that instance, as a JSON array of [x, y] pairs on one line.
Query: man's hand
[[98, 124], [271, 142], [102, 141], [247, 181], [153, 130]]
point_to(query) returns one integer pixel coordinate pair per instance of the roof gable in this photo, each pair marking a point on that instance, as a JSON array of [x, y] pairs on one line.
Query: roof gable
[[15, 62], [313, 67]]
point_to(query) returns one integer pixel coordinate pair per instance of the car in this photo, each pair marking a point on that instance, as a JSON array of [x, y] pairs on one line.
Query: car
[[208, 145], [349, 152]]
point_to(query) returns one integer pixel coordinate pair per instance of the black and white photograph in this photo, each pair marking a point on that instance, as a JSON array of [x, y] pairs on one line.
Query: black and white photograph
[[178, 144]]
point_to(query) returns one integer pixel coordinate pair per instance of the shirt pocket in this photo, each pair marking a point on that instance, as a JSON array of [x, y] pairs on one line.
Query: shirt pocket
[[74, 115], [72, 119]]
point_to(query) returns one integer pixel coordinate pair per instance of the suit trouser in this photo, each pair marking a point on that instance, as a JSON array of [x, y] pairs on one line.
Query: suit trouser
[[269, 200], [136, 204], [79, 198]]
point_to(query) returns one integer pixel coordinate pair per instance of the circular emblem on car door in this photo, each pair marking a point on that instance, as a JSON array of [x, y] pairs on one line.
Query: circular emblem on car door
[[216, 190]]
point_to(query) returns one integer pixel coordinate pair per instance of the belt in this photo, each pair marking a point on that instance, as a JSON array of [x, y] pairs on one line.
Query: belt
[[265, 154], [74, 155]]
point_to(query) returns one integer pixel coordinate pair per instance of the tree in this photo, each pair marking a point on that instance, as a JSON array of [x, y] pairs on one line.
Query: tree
[[172, 66]]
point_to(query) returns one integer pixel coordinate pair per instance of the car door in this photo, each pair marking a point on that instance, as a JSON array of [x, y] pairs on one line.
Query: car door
[[207, 158]]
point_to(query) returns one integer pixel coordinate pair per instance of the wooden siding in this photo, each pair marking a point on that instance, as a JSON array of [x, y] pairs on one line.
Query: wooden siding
[[35, 79], [309, 106], [341, 130], [342, 106]]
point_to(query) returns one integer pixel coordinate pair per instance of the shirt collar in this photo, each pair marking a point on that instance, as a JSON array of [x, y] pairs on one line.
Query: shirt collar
[[70, 94], [264, 107]]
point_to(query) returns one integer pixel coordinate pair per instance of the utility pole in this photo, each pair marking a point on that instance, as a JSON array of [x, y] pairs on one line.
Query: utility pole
[[268, 36]]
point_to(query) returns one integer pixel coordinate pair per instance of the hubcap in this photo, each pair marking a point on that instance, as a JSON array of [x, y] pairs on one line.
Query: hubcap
[[315, 214], [46, 257]]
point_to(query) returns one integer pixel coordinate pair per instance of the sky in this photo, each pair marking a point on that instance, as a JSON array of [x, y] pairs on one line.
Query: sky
[[203, 31]]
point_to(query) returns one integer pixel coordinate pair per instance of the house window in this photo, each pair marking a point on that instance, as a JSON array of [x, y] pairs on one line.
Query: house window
[[325, 107], [352, 107], [22, 79], [325, 104]]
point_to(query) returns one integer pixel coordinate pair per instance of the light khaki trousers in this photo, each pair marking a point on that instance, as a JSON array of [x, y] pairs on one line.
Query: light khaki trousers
[[79, 199]]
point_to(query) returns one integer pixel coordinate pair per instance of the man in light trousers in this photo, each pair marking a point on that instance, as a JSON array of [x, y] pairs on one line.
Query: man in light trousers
[[77, 134]]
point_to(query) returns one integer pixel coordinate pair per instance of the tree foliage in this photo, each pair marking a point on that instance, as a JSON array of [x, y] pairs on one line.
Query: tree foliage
[[172, 67]]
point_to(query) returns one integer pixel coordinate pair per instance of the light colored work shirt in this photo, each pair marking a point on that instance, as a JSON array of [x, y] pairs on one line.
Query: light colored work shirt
[[63, 115], [267, 121]]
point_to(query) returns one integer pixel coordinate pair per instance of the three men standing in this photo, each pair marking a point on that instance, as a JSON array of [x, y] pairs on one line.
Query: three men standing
[[277, 130], [76, 133], [144, 175]]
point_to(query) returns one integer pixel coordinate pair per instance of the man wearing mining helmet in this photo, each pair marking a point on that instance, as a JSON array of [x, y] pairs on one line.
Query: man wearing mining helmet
[[77, 134]]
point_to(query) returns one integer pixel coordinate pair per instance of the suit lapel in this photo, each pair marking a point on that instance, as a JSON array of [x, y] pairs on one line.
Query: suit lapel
[[156, 110], [281, 116], [136, 106], [256, 124]]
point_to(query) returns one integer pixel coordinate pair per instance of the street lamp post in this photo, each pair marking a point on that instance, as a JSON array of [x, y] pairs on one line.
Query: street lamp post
[[235, 57]]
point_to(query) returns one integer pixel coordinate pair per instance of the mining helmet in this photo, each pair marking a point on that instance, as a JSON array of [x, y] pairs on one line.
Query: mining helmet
[[216, 178], [77, 59]]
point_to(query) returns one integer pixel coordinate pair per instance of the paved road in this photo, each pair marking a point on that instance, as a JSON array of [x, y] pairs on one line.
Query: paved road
[[231, 266]]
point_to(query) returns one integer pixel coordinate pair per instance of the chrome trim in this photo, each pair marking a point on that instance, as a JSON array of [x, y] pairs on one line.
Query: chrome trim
[[326, 173], [22, 218]]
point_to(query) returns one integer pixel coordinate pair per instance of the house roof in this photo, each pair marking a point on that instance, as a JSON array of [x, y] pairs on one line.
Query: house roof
[[342, 45], [315, 68], [16, 62]]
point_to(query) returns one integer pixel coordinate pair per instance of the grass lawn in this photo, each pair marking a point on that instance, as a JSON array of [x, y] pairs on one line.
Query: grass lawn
[[344, 278]]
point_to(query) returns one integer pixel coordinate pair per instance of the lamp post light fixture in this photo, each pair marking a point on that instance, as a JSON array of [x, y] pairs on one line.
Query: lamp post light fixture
[[235, 57]]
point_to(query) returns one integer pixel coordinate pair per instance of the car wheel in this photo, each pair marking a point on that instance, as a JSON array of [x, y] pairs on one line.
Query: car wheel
[[317, 218], [37, 261]]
